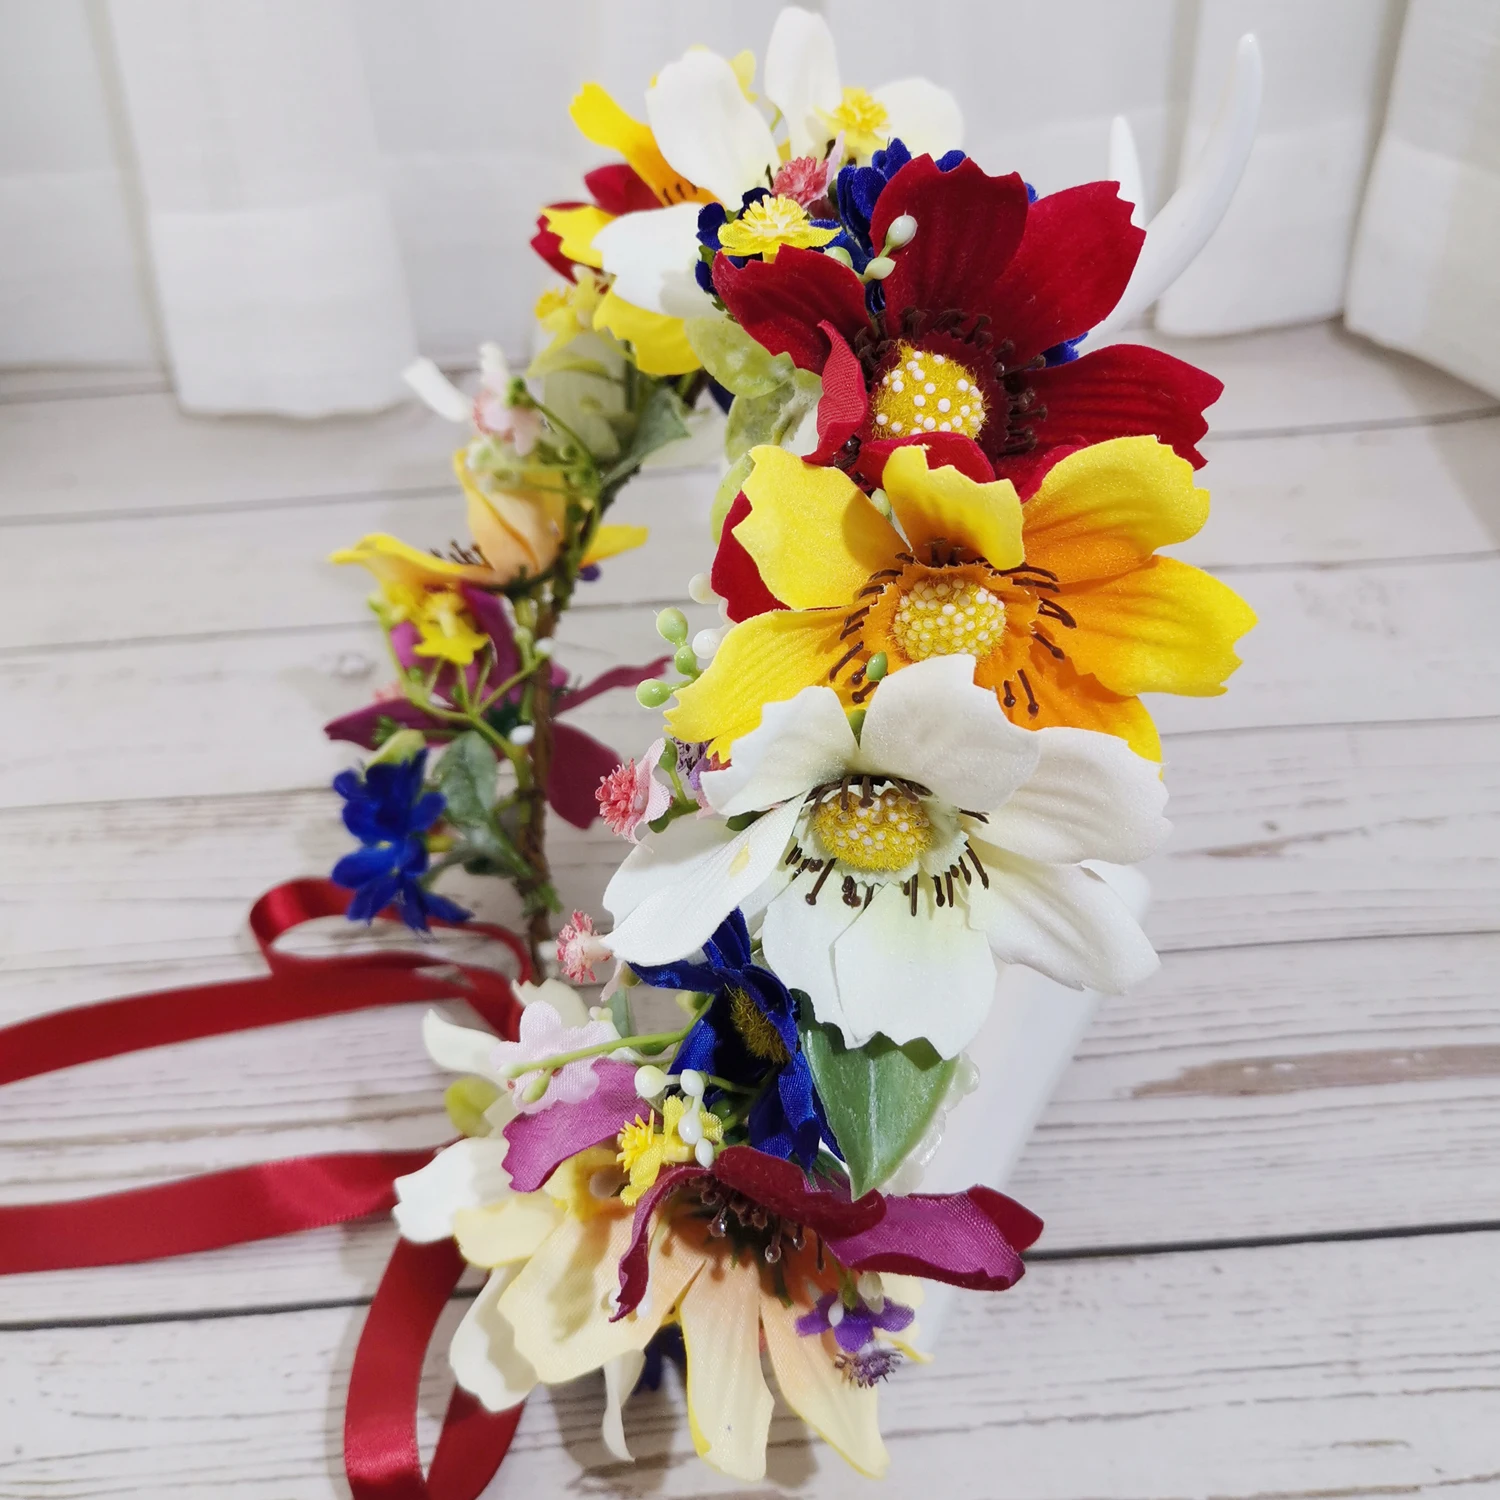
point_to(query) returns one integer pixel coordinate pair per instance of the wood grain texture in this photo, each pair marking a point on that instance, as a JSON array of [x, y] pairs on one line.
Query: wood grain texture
[[1300, 1371]]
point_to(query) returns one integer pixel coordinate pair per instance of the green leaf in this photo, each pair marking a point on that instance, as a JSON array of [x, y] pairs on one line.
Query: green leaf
[[661, 422], [773, 418], [466, 776], [880, 1098], [729, 487], [620, 1012], [734, 359]]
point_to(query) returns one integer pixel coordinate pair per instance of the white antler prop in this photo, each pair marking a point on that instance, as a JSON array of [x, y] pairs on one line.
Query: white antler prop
[[1125, 167], [1176, 235]]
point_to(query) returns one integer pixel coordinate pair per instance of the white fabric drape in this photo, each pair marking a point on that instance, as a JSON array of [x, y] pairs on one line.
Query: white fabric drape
[[288, 196], [1426, 273]]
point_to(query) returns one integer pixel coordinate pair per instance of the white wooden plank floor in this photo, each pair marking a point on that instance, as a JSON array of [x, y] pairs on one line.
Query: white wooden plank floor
[[1270, 1178]]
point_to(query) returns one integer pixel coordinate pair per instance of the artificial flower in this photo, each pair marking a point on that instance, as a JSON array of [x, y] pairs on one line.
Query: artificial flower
[[634, 794], [543, 1035], [748, 1035], [972, 330], [687, 1133], [858, 1320], [389, 813], [903, 865], [1063, 602], [578, 759], [579, 948]]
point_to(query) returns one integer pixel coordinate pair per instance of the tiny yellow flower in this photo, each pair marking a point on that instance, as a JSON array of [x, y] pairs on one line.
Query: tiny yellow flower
[[863, 120], [447, 629], [645, 1150], [770, 223]]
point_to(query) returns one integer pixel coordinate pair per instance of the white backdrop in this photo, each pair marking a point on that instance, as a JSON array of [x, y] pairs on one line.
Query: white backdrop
[[284, 199]]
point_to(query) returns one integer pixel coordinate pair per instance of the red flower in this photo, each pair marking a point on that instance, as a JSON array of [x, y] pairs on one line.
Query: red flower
[[616, 188], [987, 286]]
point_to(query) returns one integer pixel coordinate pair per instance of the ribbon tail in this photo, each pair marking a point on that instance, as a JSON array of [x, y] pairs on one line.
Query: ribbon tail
[[380, 1420]]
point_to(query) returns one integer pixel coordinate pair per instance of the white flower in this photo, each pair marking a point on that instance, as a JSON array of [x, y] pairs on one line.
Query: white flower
[[711, 133], [490, 410], [893, 871]]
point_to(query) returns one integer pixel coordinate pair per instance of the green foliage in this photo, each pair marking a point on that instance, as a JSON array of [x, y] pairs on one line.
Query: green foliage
[[880, 1098], [662, 420], [772, 418], [734, 359], [466, 776]]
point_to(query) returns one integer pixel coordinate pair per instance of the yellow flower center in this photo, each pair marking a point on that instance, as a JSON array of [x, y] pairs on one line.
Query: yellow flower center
[[863, 120], [755, 1029], [884, 834], [945, 616], [925, 392], [636, 1139], [770, 223]]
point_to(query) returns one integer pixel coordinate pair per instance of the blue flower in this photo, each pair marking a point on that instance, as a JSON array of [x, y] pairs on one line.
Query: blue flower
[[748, 1035], [387, 811], [858, 190]]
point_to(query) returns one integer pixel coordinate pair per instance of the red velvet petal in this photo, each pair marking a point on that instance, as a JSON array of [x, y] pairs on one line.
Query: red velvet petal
[[619, 189], [735, 576], [845, 403], [579, 764], [968, 227], [1071, 268], [781, 303], [943, 448], [549, 245], [1121, 391], [782, 1187]]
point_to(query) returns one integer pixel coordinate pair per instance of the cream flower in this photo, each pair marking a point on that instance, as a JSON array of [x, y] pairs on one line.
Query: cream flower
[[893, 871]]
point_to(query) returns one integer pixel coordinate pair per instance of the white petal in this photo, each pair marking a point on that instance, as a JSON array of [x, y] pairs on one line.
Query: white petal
[[459, 1049], [655, 862], [620, 1377], [1061, 920], [798, 941], [798, 744], [802, 77], [930, 976], [651, 254], [1187, 219], [437, 391], [468, 1174], [1090, 797], [707, 129], [925, 117], [677, 918], [483, 1352], [930, 723]]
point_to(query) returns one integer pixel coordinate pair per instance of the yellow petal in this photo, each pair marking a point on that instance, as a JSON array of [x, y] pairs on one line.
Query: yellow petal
[[393, 561], [559, 1304], [1166, 627], [660, 344], [843, 1414], [762, 660], [945, 505], [1106, 508], [610, 541], [604, 123], [513, 532], [503, 1233], [729, 1403], [576, 228], [814, 535]]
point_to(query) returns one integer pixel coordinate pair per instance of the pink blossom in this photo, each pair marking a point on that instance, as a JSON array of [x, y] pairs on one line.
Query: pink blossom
[[578, 949], [543, 1035], [808, 178], [493, 413], [632, 795]]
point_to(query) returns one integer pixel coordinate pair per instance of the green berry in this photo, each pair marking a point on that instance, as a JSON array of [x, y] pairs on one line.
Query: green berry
[[672, 625], [686, 661], [877, 666], [652, 694]]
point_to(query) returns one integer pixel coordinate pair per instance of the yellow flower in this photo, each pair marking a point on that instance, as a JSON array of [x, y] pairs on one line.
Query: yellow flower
[[1064, 604], [770, 223], [862, 118], [645, 1150]]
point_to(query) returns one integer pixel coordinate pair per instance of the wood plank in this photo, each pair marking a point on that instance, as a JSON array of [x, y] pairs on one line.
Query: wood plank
[[1299, 1371], [1291, 500]]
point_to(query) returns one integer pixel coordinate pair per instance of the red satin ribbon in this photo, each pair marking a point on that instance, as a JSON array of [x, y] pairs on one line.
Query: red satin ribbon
[[282, 1197]]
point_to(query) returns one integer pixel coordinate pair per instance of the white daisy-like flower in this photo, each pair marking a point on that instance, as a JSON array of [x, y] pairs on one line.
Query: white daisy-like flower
[[892, 871]]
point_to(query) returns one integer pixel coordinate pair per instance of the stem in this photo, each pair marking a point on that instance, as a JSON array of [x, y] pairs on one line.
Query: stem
[[533, 832], [654, 1041]]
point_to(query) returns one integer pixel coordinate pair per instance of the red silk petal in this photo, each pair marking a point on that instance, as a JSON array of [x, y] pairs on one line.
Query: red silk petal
[[968, 227], [579, 764], [1121, 391], [541, 1141], [943, 448], [735, 576], [782, 303], [963, 1239], [1072, 266], [619, 189], [845, 403], [635, 1264], [782, 1187]]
